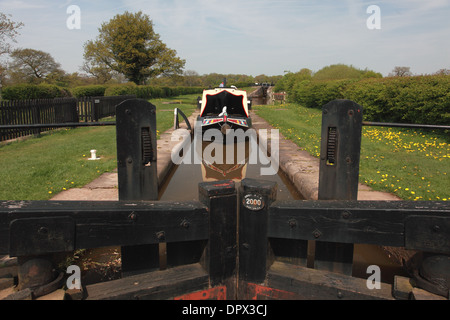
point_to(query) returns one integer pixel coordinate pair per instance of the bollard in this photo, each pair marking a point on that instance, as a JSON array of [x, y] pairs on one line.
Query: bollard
[[94, 155]]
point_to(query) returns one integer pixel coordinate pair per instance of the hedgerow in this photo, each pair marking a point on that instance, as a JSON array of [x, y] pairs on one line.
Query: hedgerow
[[33, 91], [418, 99], [89, 91]]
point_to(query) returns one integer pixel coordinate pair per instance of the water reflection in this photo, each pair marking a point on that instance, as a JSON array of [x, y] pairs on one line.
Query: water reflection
[[223, 161]]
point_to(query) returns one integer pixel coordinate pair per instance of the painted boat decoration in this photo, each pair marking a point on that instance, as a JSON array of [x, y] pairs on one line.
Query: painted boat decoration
[[225, 108]]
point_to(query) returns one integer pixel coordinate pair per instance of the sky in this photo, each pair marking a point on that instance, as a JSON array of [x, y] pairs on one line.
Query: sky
[[255, 37]]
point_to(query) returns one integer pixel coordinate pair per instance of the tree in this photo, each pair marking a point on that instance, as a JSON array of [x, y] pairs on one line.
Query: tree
[[33, 66], [129, 45], [443, 72], [343, 72], [100, 71], [401, 72], [8, 30], [191, 78]]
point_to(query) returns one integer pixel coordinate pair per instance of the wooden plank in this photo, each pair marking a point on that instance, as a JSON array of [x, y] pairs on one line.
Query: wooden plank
[[216, 293], [420, 294], [314, 284], [106, 223], [366, 222], [290, 250], [253, 291], [157, 285], [428, 233]]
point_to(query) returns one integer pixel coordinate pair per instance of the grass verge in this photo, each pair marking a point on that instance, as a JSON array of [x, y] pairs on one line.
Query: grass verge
[[412, 164]]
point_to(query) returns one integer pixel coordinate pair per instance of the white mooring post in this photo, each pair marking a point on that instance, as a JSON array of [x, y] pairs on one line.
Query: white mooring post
[[94, 155]]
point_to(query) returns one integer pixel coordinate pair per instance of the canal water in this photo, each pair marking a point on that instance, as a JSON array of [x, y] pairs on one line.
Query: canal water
[[223, 161]]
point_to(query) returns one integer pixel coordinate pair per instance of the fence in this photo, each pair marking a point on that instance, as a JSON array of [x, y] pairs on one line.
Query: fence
[[21, 118], [41, 111], [95, 108]]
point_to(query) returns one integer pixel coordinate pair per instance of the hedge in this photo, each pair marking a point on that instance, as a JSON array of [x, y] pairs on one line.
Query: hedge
[[151, 92], [418, 99], [33, 91], [89, 91], [42, 91]]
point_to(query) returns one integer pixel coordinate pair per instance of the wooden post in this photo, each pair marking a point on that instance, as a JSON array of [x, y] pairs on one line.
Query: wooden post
[[338, 174], [221, 251], [255, 199], [136, 164]]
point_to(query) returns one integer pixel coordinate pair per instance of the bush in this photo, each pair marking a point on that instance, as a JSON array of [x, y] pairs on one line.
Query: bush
[[89, 91], [125, 89], [32, 91], [315, 94], [418, 99], [149, 92]]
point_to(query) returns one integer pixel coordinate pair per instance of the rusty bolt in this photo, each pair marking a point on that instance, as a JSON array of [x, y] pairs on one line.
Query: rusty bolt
[[292, 223], [128, 111], [132, 216], [346, 214], [185, 224], [351, 112], [317, 233], [161, 236]]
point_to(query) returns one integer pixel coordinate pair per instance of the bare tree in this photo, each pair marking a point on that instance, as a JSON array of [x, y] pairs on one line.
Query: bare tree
[[401, 72], [443, 72], [33, 65], [8, 31]]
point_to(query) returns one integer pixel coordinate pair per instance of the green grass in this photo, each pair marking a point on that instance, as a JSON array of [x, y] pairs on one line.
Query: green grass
[[412, 164], [39, 168]]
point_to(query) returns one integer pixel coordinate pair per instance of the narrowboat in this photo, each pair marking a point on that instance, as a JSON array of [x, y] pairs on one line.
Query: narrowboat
[[225, 108]]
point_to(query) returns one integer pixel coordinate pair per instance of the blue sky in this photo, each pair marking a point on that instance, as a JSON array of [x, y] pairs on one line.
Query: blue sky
[[255, 37]]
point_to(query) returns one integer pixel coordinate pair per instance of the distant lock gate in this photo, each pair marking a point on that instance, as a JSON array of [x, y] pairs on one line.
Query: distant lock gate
[[236, 242]]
